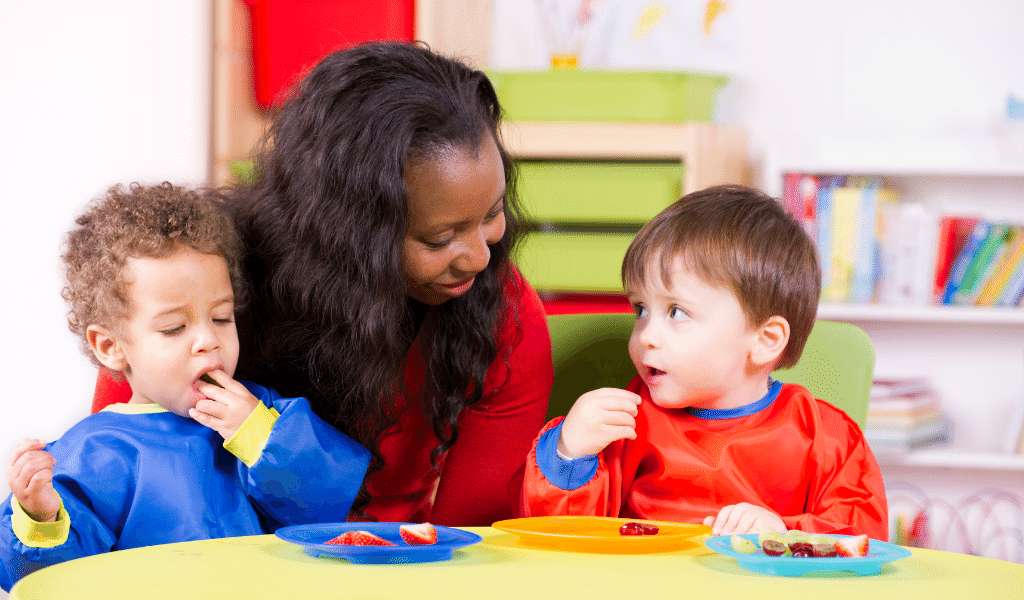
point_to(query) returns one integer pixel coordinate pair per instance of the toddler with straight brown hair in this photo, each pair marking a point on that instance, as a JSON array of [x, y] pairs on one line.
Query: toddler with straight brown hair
[[725, 287]]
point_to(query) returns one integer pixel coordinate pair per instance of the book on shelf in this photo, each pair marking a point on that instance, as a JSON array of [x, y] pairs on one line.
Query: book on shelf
[[875, 248], [883, 389], [1003, 269], [885, 441], [965, 260], [903, 415], [953, 233]]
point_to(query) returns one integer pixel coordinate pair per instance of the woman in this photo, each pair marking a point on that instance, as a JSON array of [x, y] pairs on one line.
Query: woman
[[379, 226]]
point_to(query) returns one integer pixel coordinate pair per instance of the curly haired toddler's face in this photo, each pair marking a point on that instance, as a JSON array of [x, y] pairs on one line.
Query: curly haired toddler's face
[[181, 326]]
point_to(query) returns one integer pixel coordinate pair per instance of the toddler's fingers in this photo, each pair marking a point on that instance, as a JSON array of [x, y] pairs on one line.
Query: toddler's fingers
[[40, 481], [618, 417], [201, 417], [213, 408], [24, 446], [721, 520], [20, 475]]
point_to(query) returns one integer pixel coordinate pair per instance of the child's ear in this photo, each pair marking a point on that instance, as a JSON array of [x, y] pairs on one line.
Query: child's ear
[[106, 348], [772, 338]]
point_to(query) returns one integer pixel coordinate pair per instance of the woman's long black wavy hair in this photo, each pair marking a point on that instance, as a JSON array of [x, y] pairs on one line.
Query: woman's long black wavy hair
[[323, 221]]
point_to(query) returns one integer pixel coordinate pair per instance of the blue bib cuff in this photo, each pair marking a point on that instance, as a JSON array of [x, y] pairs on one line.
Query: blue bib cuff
[[566, 474]]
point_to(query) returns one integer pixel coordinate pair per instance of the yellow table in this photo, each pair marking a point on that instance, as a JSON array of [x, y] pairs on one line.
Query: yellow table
[[266, 567]]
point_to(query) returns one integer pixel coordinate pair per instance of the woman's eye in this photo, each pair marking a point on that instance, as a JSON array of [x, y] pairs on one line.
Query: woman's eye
[[497, 212], [224, 321], [436, 245], [173, 331]]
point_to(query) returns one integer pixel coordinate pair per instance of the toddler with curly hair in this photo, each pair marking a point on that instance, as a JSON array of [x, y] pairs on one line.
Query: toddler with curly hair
[[153, 280]]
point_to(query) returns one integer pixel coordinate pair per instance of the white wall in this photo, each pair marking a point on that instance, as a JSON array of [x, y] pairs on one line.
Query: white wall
[[810, 70], [92, 94]]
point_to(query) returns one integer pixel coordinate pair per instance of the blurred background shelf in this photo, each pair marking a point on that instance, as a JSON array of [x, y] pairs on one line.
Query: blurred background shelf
[[954, 459], [920, 314]]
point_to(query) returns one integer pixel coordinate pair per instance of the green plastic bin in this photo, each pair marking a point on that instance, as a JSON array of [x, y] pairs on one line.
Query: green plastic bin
[[603, 95], [595, 193], [570, 261]]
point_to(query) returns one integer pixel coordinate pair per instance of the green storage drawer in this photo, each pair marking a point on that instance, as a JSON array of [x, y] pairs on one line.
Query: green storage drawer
[[600, 95], [581, 262], [598, 192]]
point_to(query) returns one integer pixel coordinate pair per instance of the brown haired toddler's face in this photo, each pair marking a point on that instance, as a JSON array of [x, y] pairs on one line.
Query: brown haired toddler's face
[[181, 326], [691, 343]]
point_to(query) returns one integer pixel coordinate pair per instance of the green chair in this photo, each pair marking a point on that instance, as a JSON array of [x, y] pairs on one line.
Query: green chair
[[590, 351]]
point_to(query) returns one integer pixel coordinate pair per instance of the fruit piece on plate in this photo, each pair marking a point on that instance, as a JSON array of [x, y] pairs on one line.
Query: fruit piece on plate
[[742, 545], [769, 534], [774, 548], [823, 546], [799, 543], [358, 537], [634, 528], [853, 546], [419, 534], [773, 543]]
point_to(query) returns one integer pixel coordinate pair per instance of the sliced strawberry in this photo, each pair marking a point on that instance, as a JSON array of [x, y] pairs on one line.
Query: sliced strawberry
[[417, 535], [359, 538], [853, 546]]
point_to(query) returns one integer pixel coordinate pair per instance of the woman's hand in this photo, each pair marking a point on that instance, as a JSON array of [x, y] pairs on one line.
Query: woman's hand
[[30, 477], [227, 407], [597, 419], [744, 518]]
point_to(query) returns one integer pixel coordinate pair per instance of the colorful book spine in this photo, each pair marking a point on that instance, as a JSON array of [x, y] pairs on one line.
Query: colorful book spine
[[988, 251], [964, 260], [825, 226], [809, 193], [954, 231], [845, 228], [1003, 269], [866, 244], [1014, 288]]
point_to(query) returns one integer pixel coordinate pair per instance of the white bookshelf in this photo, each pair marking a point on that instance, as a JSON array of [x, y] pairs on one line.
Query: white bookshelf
[[941, 458], [973, 356], [920, 314]]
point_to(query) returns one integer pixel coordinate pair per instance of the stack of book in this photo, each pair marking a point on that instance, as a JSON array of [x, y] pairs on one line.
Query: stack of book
[[904, 415], [875, 248]]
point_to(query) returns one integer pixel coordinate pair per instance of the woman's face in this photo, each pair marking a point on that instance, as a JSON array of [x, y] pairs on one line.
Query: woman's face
[[456, 210]]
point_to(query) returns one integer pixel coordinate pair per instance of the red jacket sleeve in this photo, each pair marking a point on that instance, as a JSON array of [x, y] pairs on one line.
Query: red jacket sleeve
[[601, 496], [495, 434]]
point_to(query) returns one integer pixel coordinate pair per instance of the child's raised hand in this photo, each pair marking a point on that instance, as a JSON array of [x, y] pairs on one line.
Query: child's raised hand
[[744, 518], [226, 407], [30, 477], [597, 419]]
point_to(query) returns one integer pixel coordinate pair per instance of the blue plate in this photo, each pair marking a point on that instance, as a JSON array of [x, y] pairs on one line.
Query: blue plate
[[312, 537], [878, 553]]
